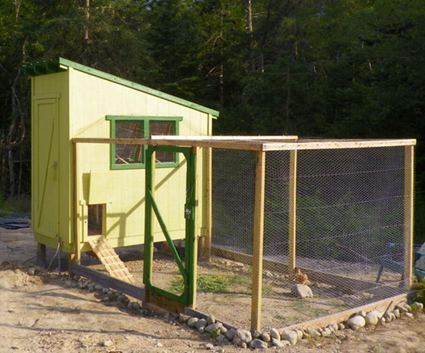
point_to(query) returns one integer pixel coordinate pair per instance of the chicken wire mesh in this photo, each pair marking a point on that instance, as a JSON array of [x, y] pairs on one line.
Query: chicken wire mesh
[[349, 238], [350, 222], [224, 285]]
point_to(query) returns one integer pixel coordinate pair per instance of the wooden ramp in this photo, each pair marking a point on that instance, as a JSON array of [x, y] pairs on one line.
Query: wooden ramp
[[110, 259]]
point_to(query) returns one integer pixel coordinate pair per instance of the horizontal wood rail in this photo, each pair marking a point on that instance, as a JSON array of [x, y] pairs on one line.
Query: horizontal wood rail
[[250, 143]]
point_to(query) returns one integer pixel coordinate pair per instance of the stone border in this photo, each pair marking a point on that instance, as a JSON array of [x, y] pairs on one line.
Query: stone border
[[224, 334]]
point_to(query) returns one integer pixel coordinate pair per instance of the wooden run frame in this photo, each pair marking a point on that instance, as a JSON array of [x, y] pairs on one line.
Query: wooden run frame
[[260, 145]]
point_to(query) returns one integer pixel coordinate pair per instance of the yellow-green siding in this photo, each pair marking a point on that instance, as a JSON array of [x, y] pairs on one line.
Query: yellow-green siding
[[83, 102]]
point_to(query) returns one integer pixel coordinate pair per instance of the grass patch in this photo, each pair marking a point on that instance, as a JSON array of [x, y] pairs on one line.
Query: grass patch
[[212, 283]]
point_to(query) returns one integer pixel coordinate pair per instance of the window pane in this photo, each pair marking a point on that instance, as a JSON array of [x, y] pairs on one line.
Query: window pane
[[129, 154], [163, 128]]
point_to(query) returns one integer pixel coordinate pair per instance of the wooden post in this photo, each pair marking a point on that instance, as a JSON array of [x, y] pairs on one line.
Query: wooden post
[[41, 255], [409, 184], [195, 151], [292, 258], [76, 256], [208, 204], [257, 258]]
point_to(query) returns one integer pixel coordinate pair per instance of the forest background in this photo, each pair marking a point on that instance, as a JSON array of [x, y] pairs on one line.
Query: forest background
[[314, 68]]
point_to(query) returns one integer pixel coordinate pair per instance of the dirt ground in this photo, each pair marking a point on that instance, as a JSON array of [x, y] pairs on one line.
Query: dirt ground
[[41, 313]]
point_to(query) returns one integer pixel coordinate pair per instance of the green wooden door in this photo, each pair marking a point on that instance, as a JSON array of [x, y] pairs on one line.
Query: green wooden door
[[45, 218], [187, 264]]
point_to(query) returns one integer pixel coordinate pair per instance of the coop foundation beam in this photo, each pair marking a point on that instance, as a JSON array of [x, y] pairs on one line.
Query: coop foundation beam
[[409, 184], [381, 305], [108, 282], [258, 237]]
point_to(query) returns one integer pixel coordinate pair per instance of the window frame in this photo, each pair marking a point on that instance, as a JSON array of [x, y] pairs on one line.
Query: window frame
[[145, 120]]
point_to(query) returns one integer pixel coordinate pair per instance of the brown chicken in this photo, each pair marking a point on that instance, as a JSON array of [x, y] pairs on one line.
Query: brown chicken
[[300, 277]]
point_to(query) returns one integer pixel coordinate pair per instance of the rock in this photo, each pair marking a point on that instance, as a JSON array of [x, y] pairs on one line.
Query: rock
[[356, 322], [301, 291], [211, 320], [275, 334], [335, 326], [268, 274], [31, 271], [341, 326], [397, 313], [409, 315], [389, 316], [183, 318], [382, 320], [403, 308], [362, 313], [256, 343], [265, 337], [244, 335], [279, 344], [200, 324], [313, 332], [290, 336], [230, 334], [256, 334], [408, 307], [300, 334], [326, 332], [417, 307], [237, 341], [123, 300], [221, 339], [98, 288], [244, 345], [209, 346], [223, 329], [107, 343], [134, 306], [211, 327], [192, 322], [372, 318]]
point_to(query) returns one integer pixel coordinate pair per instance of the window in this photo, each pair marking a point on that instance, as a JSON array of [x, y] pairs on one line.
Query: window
[[132, 156], [128, 154], [95, 217], [163, 128]]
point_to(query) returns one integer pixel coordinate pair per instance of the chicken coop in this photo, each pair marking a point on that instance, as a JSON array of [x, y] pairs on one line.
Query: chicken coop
[[244, 219], [70, 101]]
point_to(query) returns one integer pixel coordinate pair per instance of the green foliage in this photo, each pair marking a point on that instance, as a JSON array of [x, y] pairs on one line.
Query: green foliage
[[420, 291], [209, 283], [329, 68]]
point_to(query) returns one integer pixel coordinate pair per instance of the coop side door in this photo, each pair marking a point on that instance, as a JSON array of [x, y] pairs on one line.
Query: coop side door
[[45, 218]]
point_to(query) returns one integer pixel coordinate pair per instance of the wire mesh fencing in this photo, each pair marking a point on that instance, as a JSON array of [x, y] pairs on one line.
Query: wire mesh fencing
[[350, 226], [224, 283]]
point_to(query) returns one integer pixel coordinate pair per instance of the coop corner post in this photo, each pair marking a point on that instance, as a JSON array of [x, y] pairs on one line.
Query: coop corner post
[[257, 261], [75, 257], [409, 184], [293, 160]]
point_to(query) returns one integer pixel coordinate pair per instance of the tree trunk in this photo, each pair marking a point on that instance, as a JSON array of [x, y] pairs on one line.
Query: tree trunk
[[12, 182], [250, 30]]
